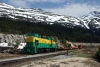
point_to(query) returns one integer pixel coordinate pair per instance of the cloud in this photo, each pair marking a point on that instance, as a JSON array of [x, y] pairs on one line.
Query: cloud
[[28, 3], [71, 8], [53, 1], [19, 3], [76, 10], [34, 1]]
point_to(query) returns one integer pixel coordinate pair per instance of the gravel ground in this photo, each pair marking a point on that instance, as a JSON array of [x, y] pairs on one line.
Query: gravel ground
[[63, 61], [75, 58]]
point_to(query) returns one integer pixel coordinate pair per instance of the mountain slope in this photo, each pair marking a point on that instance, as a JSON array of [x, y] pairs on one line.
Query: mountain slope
[[10, 26], [90, 21], [93, 20]]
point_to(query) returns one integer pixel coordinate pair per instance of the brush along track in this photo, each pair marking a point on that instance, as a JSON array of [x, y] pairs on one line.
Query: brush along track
[[17, 60]]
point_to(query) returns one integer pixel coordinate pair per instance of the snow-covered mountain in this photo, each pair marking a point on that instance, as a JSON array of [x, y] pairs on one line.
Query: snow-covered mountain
[[90, 21], [93, 20]]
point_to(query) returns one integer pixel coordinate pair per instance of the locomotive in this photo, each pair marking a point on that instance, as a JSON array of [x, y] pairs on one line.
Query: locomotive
[[36, 43]]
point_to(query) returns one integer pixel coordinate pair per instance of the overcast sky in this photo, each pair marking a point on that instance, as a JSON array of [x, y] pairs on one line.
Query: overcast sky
[[75, 8]]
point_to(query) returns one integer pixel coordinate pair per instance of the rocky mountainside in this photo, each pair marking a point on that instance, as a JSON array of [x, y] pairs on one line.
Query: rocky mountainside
[[11, 38], [93, 20], [90, 21]]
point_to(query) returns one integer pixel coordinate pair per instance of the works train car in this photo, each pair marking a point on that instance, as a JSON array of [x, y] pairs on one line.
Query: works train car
[[37, 44]]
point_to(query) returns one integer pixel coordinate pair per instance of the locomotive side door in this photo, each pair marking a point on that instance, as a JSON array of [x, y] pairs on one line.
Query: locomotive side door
[[36, 44], [51, 44]]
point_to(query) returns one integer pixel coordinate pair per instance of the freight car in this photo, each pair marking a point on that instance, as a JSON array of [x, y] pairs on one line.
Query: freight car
[[37, 44]]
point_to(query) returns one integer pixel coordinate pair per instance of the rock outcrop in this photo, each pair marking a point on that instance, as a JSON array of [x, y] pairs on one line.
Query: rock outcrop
[[12, 38]]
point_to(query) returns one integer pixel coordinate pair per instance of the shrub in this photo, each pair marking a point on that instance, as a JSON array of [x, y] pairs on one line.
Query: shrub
[[97, 56]]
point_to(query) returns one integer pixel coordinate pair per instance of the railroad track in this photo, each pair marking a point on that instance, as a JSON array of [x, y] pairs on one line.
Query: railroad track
[[11, 62]]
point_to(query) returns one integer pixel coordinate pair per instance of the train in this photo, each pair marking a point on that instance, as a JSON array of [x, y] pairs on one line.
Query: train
[[70, 45], [36, 43]]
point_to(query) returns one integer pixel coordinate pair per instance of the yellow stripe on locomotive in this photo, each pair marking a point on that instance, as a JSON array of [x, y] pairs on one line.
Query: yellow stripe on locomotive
[[41, 40]]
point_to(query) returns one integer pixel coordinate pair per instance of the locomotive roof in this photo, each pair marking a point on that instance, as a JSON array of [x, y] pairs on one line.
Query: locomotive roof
[[39, 36]]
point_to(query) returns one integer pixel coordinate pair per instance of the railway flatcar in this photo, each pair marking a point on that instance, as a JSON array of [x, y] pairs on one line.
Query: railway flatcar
[[37, 44]]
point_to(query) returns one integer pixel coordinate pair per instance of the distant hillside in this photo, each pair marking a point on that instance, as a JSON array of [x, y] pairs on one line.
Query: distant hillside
[[12, 26], [89, 21]]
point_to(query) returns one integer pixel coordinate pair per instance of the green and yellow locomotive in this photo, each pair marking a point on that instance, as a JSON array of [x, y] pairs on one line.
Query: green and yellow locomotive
[[37, 44]]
